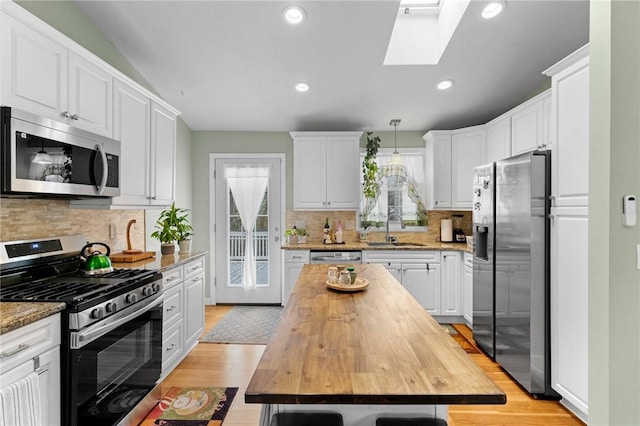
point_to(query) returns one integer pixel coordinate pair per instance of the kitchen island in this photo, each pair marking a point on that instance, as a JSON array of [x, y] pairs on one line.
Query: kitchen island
[[363, 354]]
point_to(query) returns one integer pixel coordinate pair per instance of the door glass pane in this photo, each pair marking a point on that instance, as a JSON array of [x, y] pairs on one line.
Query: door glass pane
[[260, 237]]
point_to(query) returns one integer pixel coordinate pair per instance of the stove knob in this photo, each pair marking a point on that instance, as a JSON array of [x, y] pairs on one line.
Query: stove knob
[[155, 287], [146, 291], [131, 298], [96, 313], [111, 307]]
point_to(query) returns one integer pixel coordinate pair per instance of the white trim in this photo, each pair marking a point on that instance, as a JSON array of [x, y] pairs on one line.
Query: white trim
[[573, 58], [212, 212]]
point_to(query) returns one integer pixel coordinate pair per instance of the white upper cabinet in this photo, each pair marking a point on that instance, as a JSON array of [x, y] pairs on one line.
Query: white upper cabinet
[[529, 128], [42, 76], [132, 126], [326, 170], [163, 155], [498, 139], [450, 158]]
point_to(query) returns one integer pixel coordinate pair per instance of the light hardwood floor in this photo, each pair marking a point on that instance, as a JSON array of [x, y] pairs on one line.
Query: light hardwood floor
[[211, 364]]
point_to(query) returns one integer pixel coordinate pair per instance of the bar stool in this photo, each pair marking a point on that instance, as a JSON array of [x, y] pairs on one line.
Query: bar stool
[[306, 419], [418, 421]]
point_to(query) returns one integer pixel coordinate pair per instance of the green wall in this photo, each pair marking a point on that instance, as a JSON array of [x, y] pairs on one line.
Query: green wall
[[614, 281]]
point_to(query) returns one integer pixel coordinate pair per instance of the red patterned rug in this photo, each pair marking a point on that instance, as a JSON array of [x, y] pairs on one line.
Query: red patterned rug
[[197, 406]]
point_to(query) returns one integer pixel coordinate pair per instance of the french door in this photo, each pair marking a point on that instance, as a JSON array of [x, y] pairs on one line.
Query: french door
[[230, 234]]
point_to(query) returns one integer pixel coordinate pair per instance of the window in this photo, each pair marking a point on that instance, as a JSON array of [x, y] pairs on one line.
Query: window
[[401, 192]]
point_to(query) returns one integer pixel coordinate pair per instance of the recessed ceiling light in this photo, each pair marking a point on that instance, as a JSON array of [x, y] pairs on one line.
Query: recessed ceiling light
[[293, 15], [492, 9], [445, 84], [302, 87]]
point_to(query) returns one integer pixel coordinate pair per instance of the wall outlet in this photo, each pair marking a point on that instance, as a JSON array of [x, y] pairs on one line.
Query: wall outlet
[[349, 225], [113, 231]]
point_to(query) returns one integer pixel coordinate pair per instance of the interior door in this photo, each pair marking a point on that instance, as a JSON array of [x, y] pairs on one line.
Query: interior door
[[229, 237]]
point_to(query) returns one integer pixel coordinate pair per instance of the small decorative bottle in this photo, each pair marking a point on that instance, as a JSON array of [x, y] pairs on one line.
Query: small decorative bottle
[[339, 233], [326, 234]]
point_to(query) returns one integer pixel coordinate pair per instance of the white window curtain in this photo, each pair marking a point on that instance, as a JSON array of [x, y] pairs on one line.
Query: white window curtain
[[248, 185]]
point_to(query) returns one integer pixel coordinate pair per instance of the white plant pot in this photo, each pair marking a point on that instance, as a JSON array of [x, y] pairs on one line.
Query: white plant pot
[[302, 239], [185, 246]]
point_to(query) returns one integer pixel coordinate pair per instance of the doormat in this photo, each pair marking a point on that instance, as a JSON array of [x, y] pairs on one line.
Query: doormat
[[185, 406], [250, 325], [468, 347]]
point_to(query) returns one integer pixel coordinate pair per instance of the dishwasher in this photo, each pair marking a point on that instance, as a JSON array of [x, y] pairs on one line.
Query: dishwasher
[[335, 257]]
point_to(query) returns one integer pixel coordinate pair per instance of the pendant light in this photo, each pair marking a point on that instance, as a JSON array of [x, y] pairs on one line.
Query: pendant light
[[42, 157], [395, 157]]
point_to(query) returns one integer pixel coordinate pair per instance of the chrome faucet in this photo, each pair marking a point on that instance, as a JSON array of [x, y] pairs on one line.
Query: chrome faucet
[[392, 238]]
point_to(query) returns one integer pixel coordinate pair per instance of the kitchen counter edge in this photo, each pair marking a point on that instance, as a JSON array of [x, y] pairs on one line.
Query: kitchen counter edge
[[362, 245], [14, 315]]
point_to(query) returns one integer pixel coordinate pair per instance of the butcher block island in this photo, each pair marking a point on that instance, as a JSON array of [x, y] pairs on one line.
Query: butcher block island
[[363, 354]]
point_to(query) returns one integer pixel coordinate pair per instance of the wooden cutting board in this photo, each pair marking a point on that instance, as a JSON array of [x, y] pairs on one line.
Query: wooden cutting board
[[134, 257]]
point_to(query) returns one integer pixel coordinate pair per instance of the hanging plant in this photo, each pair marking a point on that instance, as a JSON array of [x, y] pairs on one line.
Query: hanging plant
[[370, 167]]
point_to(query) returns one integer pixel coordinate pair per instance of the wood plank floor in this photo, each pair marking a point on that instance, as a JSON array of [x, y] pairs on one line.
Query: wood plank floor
[[211, 364]]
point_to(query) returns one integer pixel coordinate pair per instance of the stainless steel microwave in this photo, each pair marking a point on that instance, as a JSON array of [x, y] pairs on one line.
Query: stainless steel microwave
[[43, 157]]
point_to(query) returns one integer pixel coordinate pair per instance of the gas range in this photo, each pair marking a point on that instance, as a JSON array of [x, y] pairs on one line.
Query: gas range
[[111, 327], [49, 270]]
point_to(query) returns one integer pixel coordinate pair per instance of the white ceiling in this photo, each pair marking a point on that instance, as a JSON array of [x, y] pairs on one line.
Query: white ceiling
[[231, 65]]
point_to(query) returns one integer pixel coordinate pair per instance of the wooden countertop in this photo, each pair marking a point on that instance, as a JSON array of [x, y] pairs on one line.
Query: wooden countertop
[[362, 245], [376, 346], [14, 315]]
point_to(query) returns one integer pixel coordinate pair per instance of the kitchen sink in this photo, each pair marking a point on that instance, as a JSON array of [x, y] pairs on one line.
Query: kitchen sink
[[380, 244], [399, 244]]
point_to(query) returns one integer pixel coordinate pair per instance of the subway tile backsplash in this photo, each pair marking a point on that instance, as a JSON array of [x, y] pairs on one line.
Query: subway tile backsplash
[[23, 219]]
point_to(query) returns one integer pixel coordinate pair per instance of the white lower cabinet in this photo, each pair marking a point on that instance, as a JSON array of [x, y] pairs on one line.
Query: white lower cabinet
[[452, 277], [294, 260], [35, 348], [183, 315], [467, 289]]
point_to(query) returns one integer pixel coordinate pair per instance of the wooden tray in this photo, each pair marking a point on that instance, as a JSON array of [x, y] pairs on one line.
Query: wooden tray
[[360, 284], [134, 257]]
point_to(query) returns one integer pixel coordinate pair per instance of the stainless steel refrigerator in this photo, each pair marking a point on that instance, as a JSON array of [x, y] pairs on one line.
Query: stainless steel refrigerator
[[483, 218], [520, 270]]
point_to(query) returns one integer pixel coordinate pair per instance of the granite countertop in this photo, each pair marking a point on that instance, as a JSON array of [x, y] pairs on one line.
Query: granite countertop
[[14, 315], [159, 262], [379, 245]]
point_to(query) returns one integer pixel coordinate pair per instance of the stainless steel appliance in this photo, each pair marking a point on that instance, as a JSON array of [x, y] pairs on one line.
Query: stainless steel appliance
[[43, 157], [335, 257], [483, 216], [521, 270], [111, 328]]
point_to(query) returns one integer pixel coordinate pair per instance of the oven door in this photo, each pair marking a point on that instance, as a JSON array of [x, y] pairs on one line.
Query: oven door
[[114, 365]]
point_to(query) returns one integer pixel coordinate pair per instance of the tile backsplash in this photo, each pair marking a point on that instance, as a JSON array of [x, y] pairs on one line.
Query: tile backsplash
[[22, 219], [314, 223]]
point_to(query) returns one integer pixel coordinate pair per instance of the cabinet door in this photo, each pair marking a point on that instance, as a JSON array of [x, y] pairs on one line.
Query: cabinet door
[[193, 309], [172, 306], [163, 155], [90, 103], [467, 152], [395, 269], [442, 171], [451, 282], [291, 273], [343, 184], [527, 127], [172, 347], [569, 306], [415, 280], [498, 140], [310, 173], [570, 180], [467, 294], [33, 70], [132, 114]]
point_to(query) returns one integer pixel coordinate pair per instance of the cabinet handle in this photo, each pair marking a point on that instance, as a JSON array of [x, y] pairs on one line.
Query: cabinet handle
[[74, 117], [65, 114], [171, 279], [170, 348], [8, 354], [171, 308], [328, 203], [193, 268], [428, 268]]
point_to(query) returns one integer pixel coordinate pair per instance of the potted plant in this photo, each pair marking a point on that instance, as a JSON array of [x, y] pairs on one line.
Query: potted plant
[[288, 233], [184, 230], [172, 225], [302, 235]]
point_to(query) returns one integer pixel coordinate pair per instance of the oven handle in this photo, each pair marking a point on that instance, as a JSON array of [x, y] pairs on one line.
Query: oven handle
[[87, 336]]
